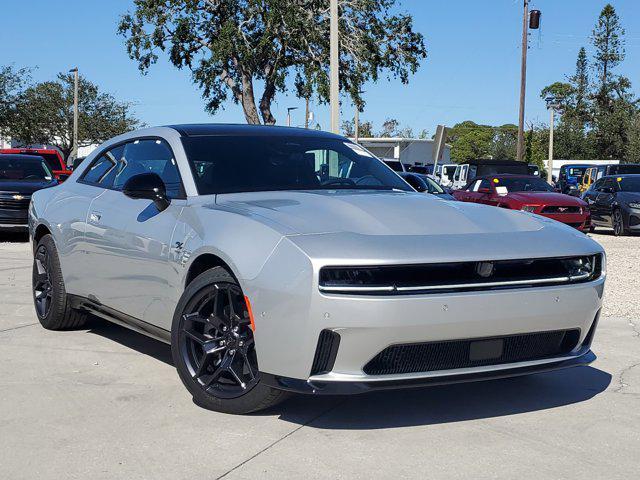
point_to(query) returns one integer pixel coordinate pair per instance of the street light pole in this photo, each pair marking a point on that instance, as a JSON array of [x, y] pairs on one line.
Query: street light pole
[[74, 151], [334, 90]]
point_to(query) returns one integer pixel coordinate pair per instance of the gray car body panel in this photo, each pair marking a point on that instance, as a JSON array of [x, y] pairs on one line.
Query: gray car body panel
[[275, 244]]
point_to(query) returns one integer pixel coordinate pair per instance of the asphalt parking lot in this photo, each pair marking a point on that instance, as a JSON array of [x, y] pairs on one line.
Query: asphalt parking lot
[[104, 402]]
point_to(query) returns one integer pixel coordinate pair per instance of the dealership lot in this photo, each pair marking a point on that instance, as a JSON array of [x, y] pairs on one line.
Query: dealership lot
[[104, 402]]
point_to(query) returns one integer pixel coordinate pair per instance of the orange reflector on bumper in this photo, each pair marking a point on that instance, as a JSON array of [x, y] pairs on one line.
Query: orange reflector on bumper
[[250, 312]]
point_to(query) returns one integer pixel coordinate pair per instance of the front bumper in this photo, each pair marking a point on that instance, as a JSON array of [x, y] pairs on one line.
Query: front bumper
[[318, 386], [580, 222]]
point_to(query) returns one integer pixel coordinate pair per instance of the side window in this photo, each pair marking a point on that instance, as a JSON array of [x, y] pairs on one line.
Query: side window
[[149, 156], [103, 170], [474, 186], [609, 183], [484, 184], [596, 186]]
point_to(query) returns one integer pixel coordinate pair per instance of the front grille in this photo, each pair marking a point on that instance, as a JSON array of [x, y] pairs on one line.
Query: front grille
[[326, 352], [11, 204], [459, 276], [559, 209], [453, 354], [13, 221]]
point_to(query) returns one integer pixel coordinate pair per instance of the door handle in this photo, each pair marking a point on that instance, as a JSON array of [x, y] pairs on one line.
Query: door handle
[[95, 217]]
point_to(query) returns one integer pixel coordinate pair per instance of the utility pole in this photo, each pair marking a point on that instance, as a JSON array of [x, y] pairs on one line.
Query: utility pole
[[334, 91], [306, 112], [523, 79], [74, 151]]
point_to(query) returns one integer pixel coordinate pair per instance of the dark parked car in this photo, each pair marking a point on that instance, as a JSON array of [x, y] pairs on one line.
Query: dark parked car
[[615, 202], [52, 157], [426, 184], [20, 176]]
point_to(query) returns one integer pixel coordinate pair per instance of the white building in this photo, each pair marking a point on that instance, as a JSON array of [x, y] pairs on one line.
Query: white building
[[410, 151]]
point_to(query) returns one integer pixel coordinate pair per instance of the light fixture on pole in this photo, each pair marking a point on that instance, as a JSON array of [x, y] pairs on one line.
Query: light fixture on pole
[[553, 105], [334, 88], [74, 150], [289, 110]]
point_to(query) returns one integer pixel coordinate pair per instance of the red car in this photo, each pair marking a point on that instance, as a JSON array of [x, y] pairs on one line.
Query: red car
[[528, 193], [52, 158]]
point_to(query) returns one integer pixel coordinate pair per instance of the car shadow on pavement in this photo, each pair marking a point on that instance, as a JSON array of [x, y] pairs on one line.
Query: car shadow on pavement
[[130, 339], [453, 403], [409, 407]]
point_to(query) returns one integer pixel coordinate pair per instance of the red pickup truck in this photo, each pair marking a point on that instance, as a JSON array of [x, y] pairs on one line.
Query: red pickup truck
[[52, 158]]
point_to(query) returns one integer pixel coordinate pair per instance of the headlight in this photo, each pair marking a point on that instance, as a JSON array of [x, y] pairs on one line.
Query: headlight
[[634, 205], [529, 208]]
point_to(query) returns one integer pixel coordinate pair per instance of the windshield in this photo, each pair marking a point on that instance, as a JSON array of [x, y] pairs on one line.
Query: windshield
[[629, 184], [394, 165], [523, 184], [432, 185], [268, 163], [18, 168]]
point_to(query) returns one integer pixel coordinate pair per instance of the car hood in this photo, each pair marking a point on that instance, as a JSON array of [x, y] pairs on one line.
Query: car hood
[[545, 198], [25, 187], [374, 213]]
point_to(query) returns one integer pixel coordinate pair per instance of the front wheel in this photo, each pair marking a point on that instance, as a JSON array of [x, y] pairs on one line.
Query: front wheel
[[213, 347], [618, 223]]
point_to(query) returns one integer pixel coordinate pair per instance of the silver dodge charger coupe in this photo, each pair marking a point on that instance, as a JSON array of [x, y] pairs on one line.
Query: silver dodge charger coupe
[[277, 260]]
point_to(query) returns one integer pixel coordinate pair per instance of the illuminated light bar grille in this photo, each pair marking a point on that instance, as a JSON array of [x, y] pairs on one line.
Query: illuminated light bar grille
[[459, 276]]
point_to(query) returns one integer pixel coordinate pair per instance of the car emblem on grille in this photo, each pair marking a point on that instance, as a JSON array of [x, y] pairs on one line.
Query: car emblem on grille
[[484, 269], [563, 209]]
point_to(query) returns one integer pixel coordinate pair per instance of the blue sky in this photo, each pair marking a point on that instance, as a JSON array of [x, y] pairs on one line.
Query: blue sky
[[472, 71]]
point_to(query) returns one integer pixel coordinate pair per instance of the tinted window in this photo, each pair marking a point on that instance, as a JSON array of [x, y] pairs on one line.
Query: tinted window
[[524, 184], [149, 156], [484, 184], [394, 165], [597, 185], [255, 163], [630, 184], [103, 170], [15, 168]]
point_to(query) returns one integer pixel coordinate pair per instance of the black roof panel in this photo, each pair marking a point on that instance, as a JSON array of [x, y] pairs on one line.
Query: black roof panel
[[207, 129]]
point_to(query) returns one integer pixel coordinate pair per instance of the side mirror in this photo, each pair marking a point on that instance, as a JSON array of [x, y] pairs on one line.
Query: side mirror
[[416, 182], [147, 186]]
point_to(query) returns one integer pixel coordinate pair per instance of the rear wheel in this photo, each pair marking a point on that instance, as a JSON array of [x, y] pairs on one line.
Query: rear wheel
[[213, 347], [49, 294]]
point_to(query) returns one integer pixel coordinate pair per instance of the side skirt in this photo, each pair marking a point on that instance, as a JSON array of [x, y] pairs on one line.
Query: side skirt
[[120, 318]]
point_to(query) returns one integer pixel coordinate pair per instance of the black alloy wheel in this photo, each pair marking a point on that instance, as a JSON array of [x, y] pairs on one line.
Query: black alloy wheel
[[216, 341], [42, 286], [618, 223], [213, 347]]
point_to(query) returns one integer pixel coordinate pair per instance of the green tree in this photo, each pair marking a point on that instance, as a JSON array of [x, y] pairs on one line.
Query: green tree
[[234, 47], [365, 129], [633, 145], [505, 142], [470, 141], [44, 115], [12, 84], [608, 41]]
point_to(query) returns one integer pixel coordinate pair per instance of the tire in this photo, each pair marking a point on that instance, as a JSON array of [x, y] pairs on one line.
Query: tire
[[213, 349], [52, 305], [618, 223]]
